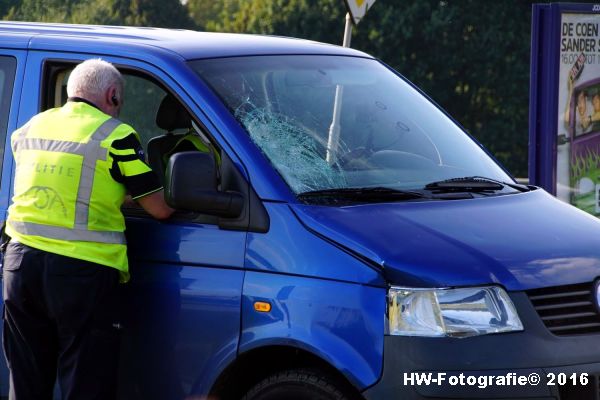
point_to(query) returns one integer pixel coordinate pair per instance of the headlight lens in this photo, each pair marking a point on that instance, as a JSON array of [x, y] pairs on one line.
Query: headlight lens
[[451, 312]]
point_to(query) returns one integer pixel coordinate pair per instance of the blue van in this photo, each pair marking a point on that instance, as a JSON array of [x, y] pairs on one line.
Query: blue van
[[342, 237]]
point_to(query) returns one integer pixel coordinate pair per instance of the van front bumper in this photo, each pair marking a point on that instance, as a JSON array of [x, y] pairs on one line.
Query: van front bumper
[[533, 364]]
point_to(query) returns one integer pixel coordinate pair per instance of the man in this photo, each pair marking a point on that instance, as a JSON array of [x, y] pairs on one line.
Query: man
[[582, 119], [593, 119], [191, 142], [74, 167]]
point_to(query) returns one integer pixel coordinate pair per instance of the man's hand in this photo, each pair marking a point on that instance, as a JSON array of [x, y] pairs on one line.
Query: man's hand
[[155, 205], [129, 202]]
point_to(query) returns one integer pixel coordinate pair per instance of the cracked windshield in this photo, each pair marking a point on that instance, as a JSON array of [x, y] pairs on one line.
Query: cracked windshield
[[334, 122]]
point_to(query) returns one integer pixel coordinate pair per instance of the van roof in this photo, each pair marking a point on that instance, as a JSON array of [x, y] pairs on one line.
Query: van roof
[[187, 44]]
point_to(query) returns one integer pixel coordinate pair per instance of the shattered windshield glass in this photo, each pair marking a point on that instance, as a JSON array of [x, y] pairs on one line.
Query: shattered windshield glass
[[328, 122]]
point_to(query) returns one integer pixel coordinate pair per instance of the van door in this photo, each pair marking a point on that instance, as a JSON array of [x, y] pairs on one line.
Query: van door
[[12, 64], [181, 309]]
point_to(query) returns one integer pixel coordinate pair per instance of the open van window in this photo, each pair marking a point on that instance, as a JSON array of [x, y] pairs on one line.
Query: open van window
[[387, 135], [142, 98], [143, 102]]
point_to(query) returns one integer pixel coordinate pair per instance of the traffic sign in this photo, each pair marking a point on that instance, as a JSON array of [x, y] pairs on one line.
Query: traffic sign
[[358, 8]]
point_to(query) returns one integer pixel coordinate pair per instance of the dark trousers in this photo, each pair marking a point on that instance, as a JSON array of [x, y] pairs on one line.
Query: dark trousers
[[59, 318]]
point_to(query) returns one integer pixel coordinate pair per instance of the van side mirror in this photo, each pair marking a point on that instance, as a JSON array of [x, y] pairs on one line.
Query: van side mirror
[[191, 184]]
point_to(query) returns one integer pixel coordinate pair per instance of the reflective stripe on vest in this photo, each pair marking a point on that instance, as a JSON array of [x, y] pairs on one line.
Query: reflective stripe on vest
[[91, 152]]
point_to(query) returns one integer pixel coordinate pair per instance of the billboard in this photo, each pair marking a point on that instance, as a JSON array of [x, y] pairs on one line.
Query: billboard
[[565, 103], [578, 142]]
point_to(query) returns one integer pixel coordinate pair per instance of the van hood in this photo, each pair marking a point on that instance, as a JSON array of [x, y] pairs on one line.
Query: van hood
[[520, 241]]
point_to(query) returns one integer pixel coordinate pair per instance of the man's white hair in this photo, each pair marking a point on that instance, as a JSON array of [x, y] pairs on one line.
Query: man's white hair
[[92, 78]]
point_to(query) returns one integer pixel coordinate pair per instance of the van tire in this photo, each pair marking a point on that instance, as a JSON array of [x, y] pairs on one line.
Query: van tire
[[298, 384]]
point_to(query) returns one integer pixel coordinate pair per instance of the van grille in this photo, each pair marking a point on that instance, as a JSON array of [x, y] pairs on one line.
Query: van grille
[[567, 310]]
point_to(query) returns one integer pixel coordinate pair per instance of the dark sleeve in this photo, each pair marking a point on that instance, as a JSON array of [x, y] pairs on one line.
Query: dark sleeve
[[129, 167]]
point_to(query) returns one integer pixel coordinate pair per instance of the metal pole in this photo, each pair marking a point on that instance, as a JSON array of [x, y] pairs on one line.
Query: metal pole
[[333, 139], [348, 31]]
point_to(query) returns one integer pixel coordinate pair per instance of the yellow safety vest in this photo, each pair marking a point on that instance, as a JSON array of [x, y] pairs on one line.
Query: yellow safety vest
[[65, 199], [195, 141]]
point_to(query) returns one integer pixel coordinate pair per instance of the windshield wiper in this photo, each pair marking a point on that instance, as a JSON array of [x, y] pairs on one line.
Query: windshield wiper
[[473, 184], [363, 194]]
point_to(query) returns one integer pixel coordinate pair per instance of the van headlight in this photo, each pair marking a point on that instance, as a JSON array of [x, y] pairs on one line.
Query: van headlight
[[451, 312]]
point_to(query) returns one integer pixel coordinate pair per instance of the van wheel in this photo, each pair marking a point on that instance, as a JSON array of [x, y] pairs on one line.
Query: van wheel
[[300, 384]]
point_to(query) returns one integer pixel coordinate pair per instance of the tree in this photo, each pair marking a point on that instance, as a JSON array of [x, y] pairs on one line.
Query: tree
[[6, 5], [213, 16], [158, 13], [40, 10], [309, 19]]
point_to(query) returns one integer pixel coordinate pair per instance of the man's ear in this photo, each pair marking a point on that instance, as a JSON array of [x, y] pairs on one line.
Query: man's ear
[[112, 96]]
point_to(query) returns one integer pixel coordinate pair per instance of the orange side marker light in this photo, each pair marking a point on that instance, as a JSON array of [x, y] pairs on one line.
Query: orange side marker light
[[262, 306]]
